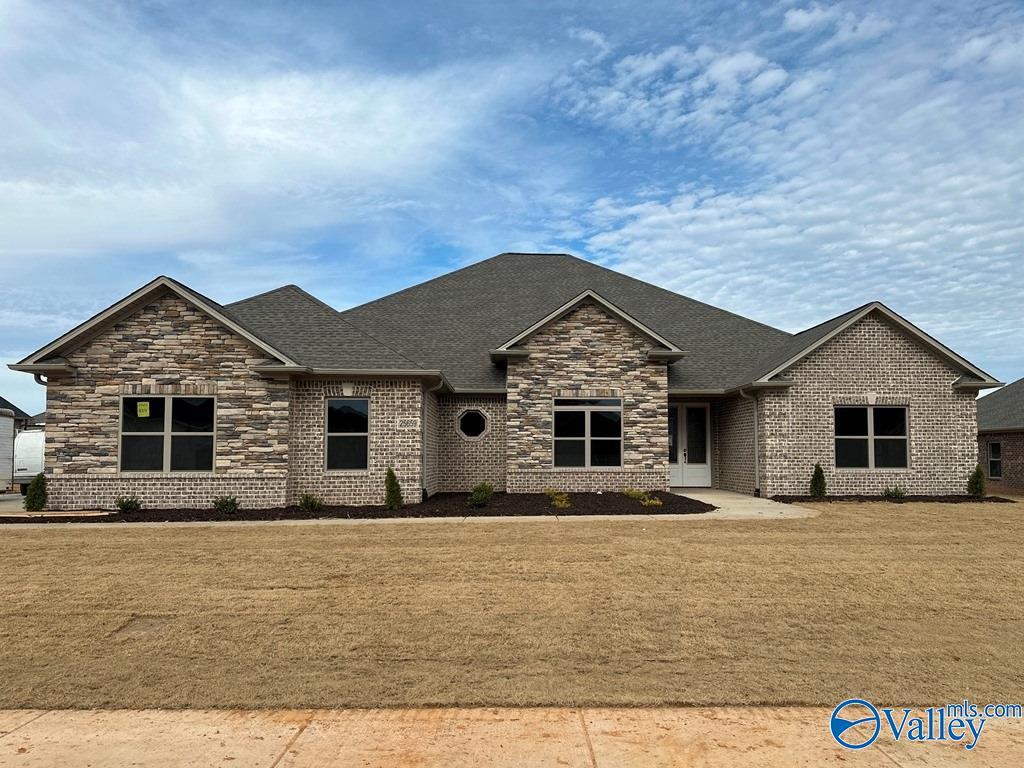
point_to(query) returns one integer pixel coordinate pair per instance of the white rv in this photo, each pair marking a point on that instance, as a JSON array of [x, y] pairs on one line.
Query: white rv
[[6, 449], [28, 456]]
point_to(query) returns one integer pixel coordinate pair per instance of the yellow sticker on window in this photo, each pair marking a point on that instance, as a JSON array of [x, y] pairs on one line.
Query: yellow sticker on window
[[142, 409]]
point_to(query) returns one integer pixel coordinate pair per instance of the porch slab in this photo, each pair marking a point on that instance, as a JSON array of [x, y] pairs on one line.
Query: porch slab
[[740, 506]]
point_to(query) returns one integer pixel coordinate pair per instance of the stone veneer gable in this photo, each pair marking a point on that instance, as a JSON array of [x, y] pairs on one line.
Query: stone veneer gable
[[587, 352], [872, 358]]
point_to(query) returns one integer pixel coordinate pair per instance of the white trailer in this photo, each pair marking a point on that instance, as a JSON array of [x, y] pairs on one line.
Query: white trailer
[[28, 456], [6, 449]]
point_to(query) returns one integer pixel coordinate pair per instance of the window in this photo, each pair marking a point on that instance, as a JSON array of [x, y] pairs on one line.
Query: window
[[472, 423], [588, 432], [871, 437], [167, 434], [995, 460], [348, 429]]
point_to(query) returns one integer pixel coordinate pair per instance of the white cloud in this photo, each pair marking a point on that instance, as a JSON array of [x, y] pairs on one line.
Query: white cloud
[[812, 17]]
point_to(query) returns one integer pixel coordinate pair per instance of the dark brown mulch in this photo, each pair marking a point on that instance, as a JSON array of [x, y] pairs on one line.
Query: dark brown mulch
[[439, 505], [906, 499]]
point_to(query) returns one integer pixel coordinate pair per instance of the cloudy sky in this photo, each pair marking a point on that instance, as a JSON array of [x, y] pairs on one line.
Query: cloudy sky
[[784, 160]]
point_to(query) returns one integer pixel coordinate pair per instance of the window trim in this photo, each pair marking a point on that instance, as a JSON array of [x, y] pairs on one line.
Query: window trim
[[328, 435], [486, 418], [586, 438], [1000, 460], [871, 437], [166, 434]]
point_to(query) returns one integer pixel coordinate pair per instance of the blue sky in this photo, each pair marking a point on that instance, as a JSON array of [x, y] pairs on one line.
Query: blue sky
[[784, 160]]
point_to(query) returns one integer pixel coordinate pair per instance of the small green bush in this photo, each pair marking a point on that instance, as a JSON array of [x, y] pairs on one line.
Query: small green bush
[[481, 495], [36, 495], [650, 501], [225, 505], [634, 494], [818, 486], [976, 483], [558, 499], [392, 490], [896, 493], [310, 504], [128, 503]]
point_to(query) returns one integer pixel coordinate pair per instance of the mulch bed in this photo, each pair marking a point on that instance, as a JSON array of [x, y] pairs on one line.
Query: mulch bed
[[439, 505], [906, 499]]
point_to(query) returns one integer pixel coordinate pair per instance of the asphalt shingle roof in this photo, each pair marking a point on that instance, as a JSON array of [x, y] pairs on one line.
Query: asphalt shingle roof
[[452, 322], [1003, 409]]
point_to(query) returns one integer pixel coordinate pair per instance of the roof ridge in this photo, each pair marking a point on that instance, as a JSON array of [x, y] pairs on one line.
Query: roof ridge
[[264, 293]]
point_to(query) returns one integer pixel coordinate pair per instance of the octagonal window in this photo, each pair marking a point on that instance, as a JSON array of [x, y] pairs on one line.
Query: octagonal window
[[472, 423]]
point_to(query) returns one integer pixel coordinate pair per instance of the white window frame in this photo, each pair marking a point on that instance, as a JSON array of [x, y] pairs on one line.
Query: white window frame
[[871, 437], [587, 439], [167, 434], [328, 434], [999, 459], [473, 409]]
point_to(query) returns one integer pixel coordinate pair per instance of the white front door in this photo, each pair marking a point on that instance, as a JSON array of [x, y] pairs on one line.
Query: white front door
[[689, 426]]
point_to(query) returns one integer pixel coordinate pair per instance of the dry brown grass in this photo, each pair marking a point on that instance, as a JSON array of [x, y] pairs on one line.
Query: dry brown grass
[[903, 603]]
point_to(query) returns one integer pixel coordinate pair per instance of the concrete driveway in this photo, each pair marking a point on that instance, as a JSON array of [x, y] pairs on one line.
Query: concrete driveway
[[12, 504], [752, 737]]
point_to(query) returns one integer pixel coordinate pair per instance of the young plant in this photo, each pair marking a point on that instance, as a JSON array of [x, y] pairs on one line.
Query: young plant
[[128, 504], [818, 486], [481, 495], [558, 499], [392, 490], [896, 493], [650, 501], [634, 494], [310, 504], [36, 495], [225, 505], [976, 483]]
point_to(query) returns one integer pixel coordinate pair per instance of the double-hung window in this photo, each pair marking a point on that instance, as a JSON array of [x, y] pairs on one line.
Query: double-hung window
[[995, 460], [167, 434], [588, 432], [348, 433], [871, 437]]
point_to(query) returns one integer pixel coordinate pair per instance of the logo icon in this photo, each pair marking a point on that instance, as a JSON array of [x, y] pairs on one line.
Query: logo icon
[[850, 714]]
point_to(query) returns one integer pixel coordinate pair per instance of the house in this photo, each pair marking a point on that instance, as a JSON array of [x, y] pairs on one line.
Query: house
[[528, 371], [1001, 434], [21, 419], [38, 421]]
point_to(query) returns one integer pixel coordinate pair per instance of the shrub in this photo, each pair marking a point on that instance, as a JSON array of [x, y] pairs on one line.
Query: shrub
[[650, 501], [481, 495], [818, 487], [896, 493], [392, 490], [634, 494], [36, 496], [558, 499], [225, 505], [310, 503], [128, 503], [976, 483]]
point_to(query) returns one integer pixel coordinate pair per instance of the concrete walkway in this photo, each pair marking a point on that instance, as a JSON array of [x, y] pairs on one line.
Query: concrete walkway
[[740, 506], [751, 737]]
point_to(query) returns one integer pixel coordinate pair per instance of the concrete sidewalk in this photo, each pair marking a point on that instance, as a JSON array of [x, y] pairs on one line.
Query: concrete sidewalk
[[450, 738]]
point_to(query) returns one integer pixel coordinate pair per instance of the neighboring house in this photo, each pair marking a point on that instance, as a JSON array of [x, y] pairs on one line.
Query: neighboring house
[[1001, 434], [21, 419], [528, 371], [38, 421]]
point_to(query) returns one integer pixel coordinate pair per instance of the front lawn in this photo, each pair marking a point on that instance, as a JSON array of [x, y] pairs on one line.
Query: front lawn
[[910, 603]]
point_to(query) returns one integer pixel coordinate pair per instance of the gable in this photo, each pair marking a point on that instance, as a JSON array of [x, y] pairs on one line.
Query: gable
[[588, 330]]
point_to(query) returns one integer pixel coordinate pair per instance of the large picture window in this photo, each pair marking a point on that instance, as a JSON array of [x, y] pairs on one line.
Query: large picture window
[[348, 433], [995, 460], [588, 432], [167, 434], [871, 437]]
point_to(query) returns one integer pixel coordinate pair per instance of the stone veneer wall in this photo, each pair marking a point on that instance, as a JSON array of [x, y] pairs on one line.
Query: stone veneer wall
[[732, 423], [872, 356], [465, 462], [1012, 444], [166, 347], [395, 440], [587, 353]]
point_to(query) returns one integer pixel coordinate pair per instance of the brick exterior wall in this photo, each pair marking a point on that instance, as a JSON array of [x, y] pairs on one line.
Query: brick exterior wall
[[1012, 444], [464, 462], [872, 356], [586, 353], [167, 347], [431, 443], [395, 441], [732, 426]]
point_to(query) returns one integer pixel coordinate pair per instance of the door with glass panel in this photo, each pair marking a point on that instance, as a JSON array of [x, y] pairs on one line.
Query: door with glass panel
[[689, 446]]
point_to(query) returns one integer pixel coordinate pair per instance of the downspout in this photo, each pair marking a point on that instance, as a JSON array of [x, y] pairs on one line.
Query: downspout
[[757, 447], [39, 379]]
